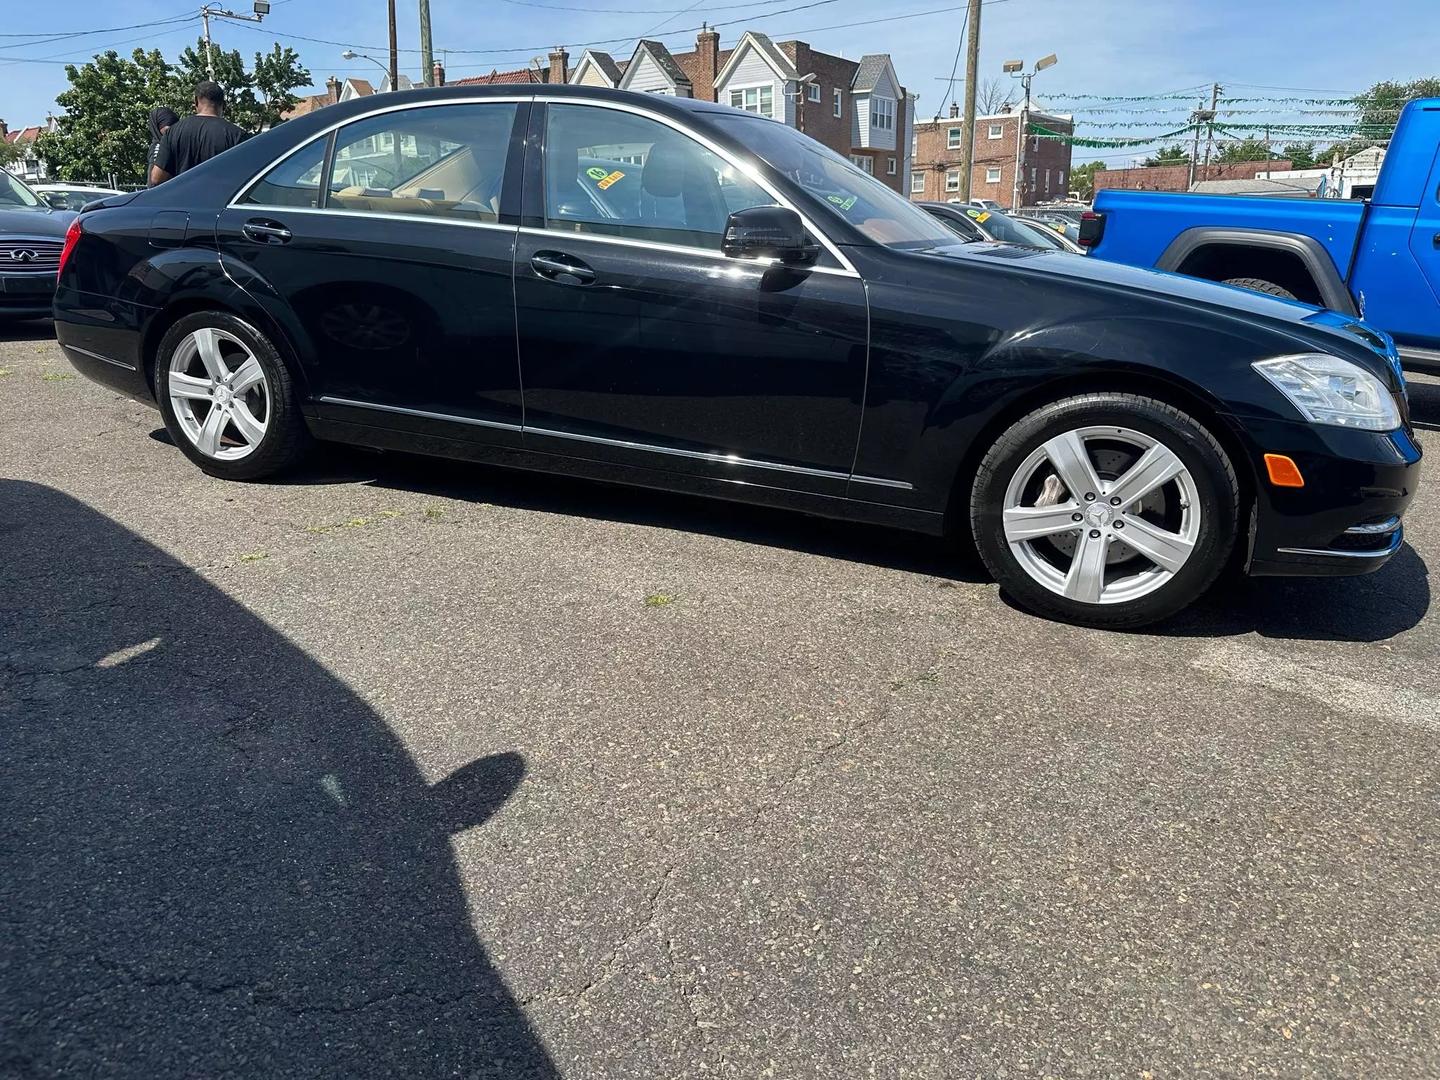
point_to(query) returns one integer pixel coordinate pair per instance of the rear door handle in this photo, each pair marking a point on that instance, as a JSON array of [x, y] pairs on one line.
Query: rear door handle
[[557, 266], [1436, 240], [266, 232]]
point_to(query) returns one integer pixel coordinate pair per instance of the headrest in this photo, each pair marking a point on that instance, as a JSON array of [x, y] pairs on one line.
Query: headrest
[[664, 174]]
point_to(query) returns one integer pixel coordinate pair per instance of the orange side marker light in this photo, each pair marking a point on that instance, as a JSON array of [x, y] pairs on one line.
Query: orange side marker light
[[1283, 472]]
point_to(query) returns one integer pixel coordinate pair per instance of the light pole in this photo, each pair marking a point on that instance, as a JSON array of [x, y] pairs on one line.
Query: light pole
[[351, 54], [1016, 70], [262, 8]]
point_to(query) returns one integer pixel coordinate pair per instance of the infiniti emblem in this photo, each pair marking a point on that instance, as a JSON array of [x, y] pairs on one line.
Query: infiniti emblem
[[24, 255]]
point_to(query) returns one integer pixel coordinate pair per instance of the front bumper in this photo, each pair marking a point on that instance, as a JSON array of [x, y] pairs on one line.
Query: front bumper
[[26, 295], [1347, 518]]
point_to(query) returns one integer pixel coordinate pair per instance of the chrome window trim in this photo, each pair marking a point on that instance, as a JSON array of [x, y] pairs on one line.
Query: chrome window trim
[[437, 219], [713, 457], [847, 268], [680, 249]]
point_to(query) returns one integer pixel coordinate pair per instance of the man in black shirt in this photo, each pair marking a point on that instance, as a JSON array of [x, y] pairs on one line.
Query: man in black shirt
[[196, 138]]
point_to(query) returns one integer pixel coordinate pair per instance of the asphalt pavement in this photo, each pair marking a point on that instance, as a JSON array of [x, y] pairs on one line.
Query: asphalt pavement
[[408, 768]]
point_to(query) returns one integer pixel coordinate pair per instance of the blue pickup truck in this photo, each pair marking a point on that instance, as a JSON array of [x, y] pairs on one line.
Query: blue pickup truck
[[1378, 259]]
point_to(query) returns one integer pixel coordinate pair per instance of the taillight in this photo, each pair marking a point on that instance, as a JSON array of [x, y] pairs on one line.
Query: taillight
[[72, 234], [1092, 228]]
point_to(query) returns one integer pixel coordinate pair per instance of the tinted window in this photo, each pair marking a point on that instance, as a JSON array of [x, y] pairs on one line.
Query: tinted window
[[294, 182], [625, 175], [14, 194], [441, 161]]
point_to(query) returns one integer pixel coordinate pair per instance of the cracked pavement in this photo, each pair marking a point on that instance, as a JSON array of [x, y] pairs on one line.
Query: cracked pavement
[[391, 770]]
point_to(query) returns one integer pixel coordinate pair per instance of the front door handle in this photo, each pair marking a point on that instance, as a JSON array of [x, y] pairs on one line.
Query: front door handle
[[1436, 240], [560, 267], [266, 232]]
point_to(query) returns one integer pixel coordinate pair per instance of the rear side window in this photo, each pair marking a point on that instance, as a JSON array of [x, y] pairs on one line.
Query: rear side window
[[445, 161], [620, 174], [294, 182]]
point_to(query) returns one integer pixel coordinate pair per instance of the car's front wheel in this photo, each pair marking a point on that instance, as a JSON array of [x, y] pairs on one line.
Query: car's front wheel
[[227, 398], [1111, 510]]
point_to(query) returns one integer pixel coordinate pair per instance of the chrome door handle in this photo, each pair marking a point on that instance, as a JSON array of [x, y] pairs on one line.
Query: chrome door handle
[[264, 232], [557, 266]]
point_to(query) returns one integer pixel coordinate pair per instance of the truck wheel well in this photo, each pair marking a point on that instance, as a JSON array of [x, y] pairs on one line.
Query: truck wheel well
[[1221, 262], [957, 518]]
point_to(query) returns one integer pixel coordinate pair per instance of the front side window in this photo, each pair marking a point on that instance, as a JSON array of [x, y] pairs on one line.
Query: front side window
[[444, 161], [618, 174], [756, 99], [14, 195]]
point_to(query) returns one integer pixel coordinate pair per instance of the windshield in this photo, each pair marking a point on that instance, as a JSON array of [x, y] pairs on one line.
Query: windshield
[[880, 213], [15, 195]]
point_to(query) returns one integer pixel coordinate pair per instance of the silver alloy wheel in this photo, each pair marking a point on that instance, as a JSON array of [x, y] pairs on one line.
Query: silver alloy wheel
[[219, 393], [1098, 538]]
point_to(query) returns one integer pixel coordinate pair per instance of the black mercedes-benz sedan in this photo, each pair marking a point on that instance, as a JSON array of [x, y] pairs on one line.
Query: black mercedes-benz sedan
[[31, 235], [682, 295]]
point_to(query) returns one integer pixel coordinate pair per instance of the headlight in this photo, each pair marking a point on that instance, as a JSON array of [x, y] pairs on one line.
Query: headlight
[[1328, 390]]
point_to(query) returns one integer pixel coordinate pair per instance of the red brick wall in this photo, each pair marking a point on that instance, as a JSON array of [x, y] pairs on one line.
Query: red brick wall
[[1177, 177], [1048, 160]]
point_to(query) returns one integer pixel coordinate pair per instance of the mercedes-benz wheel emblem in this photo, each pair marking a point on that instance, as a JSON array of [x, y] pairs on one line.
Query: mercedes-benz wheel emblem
[[24, 255]]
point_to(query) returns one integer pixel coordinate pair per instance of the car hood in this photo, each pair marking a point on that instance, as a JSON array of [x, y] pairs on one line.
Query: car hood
[[35, 222]]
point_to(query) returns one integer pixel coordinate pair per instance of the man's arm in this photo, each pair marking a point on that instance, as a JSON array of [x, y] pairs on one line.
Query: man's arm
[[163, 167], [158, 175]]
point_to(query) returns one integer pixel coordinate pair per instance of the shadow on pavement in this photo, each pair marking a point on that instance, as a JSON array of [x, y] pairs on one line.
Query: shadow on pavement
[[217, 859], [893, 549], [27, 330]]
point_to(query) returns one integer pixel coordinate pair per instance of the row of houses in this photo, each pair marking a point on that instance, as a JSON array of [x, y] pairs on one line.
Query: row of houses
[[27, 166], [1353, 177]]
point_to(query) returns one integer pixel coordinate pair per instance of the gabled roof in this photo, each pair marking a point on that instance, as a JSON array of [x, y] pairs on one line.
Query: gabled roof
[[663, 60], [873, 67], [519, 75], [363, 87], [602, 60], [29, 134], [307, 105], [767, 50]]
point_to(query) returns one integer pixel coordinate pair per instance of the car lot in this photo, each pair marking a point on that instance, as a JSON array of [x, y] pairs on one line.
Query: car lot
[[408, 768]]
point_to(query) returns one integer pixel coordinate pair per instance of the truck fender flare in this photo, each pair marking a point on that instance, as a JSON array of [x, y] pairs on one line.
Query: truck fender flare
[[1307, 249]]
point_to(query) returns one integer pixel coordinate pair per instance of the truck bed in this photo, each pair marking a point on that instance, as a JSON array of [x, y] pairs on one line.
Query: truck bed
[[1140, 225]]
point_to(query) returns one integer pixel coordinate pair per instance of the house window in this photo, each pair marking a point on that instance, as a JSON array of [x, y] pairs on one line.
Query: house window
[[863, 161], [992, 175], [755, 99], [839, 101], [1032, 177], [917, 183], [952, 139], [882, 114], [890, 166], [997, 131], [952, 180], [813, 92], [1060, 179]]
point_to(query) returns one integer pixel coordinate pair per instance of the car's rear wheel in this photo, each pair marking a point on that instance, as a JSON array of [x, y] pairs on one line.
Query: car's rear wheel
[[1255, 284], [1111, 510], [227, 398]]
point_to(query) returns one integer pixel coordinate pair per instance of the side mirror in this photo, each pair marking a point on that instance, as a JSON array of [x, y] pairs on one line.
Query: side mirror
[[769, 232]]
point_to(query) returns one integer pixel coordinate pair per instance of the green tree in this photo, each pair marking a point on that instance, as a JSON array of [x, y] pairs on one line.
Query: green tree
[[255, 98], [1245, 150], [9, 153], [1380, 105], [103, 129], [1304, 156], [1082, 178], [1169, 155]]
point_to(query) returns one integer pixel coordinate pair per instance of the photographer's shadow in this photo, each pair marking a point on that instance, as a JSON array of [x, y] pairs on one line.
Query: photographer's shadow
[[217, 859]]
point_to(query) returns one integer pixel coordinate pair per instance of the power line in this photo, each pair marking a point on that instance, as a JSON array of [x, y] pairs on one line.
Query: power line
[[90, 33]]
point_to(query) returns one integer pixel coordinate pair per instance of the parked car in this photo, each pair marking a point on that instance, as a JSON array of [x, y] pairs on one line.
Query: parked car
[[971, 223], [71, 196], [985, 204], [681, 295], [1376, 260], [31, 236]]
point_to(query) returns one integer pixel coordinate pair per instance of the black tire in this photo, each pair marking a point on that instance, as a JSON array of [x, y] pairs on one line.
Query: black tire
[[1255, 284], [286, 440], [1209, 469]]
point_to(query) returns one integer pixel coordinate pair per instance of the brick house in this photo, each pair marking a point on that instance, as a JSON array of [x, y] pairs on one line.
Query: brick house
[[858, 108], [1177, 177], [935, 176]]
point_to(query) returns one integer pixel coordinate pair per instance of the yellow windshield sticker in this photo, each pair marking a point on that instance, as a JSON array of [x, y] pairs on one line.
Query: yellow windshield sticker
[[981, 216], [613, 178]]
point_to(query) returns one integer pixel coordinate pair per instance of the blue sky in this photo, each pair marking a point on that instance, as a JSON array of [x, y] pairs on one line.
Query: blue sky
[[1256, 48]]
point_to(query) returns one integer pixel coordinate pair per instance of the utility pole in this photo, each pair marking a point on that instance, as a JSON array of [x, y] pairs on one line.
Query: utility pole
[[427, 56], [209, 56], [972, 76], [262, 8], [1215, 89], [394, 53]]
